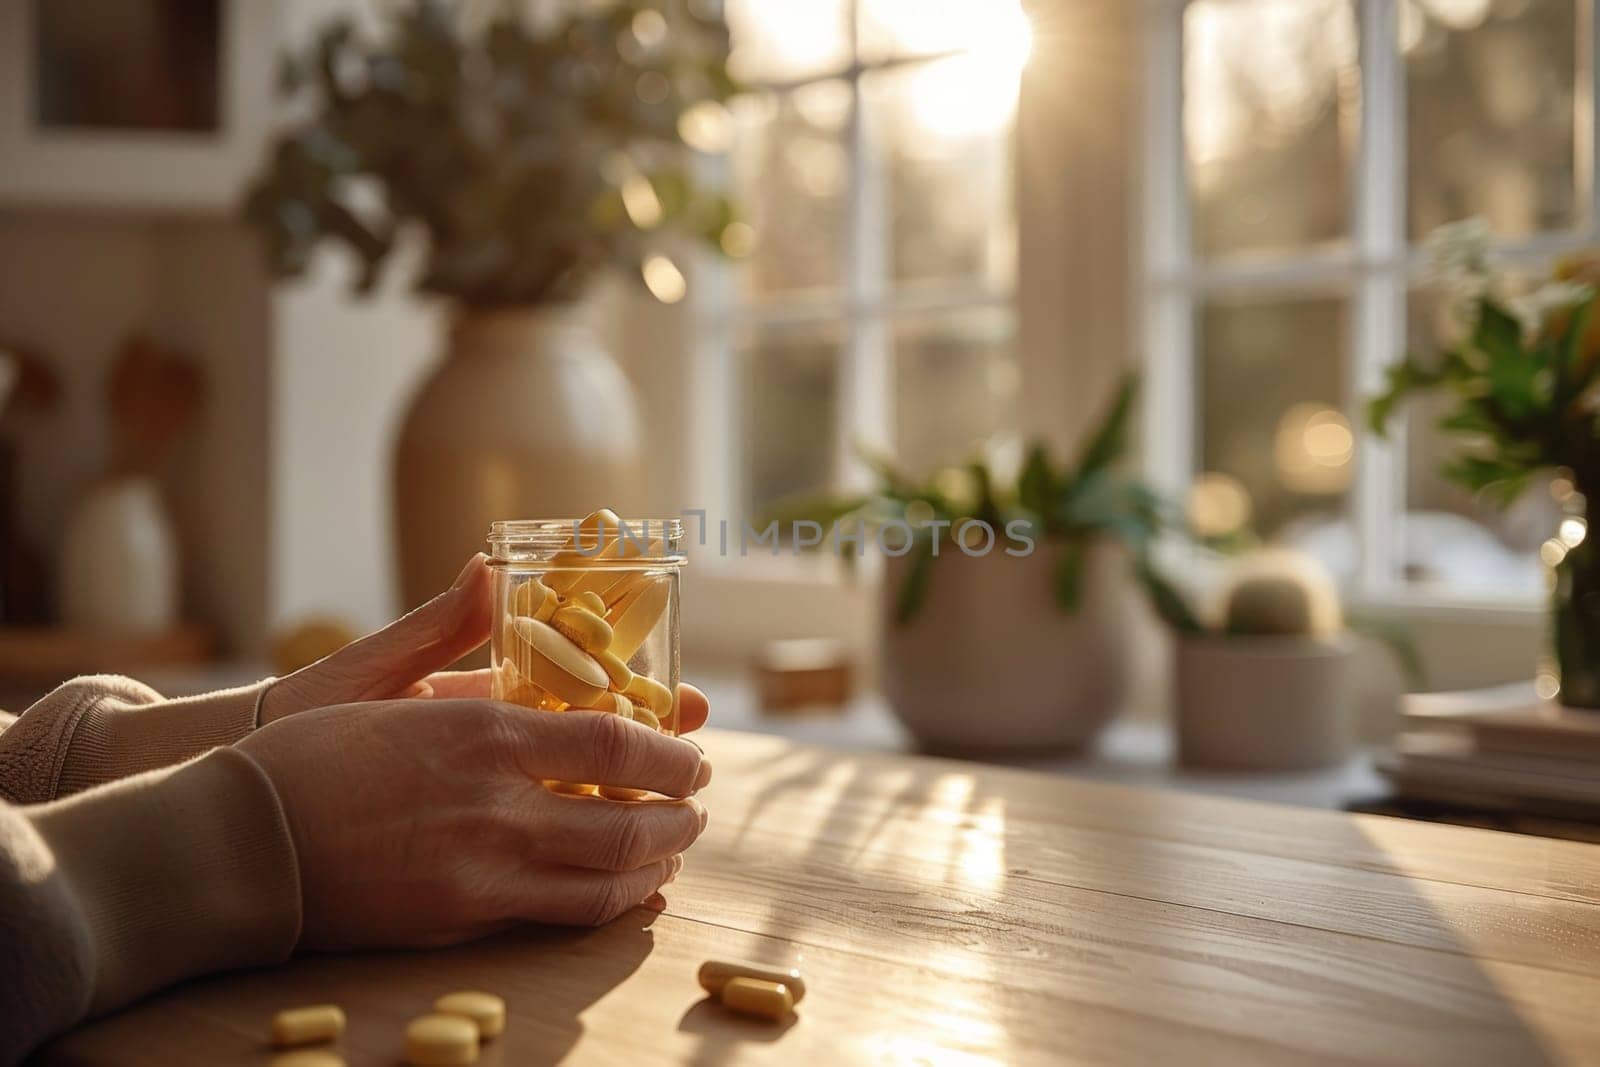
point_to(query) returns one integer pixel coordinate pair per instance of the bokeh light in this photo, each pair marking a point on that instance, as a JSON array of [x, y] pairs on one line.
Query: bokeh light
[[664, 280], [1313, 448], [1218, 505]]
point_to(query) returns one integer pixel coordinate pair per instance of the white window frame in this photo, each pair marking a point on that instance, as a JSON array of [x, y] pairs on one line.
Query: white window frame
[[1076, 276], [863, 309], [1372, 271]]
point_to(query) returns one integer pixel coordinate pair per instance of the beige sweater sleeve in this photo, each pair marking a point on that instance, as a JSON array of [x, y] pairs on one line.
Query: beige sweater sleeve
[[98, 729], [131, 886]]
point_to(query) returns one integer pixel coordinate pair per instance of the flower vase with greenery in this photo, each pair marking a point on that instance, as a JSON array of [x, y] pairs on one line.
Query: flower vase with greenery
[[520, 157], [1523, 380]]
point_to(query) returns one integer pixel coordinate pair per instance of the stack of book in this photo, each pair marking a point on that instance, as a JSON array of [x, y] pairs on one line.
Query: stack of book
[[1500, 749]]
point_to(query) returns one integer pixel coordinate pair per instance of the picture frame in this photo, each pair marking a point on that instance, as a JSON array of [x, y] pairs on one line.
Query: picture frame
[[184, 171]]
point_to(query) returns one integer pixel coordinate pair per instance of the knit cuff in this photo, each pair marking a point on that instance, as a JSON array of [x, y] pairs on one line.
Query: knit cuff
[[179, 873], [115, 739]]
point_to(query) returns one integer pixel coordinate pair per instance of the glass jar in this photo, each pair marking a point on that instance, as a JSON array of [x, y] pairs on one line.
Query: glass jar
[[586, 615]]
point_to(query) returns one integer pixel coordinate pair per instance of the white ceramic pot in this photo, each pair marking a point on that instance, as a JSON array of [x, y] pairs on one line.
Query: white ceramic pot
[[1262, 703], [992, 664], [119, 559], [526, 417]]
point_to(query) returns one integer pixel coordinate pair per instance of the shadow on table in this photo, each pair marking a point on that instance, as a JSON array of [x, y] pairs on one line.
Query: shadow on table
[[720, 1031], [549, 976]]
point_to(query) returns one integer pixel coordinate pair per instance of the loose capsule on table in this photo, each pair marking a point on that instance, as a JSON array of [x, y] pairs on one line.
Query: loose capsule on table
[[312, 1057], [715, 974], [307, 1025], [441, 1041], [752, 996], [487, 1011]]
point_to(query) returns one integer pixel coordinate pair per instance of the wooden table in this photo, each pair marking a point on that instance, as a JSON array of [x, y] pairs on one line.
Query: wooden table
[[948, 913]]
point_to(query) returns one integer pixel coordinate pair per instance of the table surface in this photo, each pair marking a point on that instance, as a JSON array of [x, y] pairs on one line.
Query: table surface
[[953, 913]]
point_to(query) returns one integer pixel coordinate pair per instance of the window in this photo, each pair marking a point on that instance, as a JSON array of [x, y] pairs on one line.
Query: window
[[1298, 153], [873, 306]]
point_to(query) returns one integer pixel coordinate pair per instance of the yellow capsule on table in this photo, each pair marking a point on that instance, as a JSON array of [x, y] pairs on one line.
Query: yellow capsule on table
[[487, 1011], [308, 1057], [441, 1041], [651, 693], [582, 627], [615, 669], [714, 974], [307, 1025], [550, 661], [752, 996]]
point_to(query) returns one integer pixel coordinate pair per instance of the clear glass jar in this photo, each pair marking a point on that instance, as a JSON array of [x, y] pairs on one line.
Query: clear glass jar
[[586, 615]]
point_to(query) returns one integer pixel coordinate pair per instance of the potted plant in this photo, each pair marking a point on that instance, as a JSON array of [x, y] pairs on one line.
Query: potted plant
[[1023, 640], [530, 155], [1264, 685], [1524, 382]]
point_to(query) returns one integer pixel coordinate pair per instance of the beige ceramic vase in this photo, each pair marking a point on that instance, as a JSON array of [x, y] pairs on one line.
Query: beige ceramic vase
[[992, 664], [527, 416]]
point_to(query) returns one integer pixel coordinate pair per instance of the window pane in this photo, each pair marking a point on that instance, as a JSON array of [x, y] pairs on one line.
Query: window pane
[[780, 40], [895, 28], [1271, 89], [790, 172], [942, 131], [1489, 113], [956, 381], [1271, 380], [1453, 542], [789, 406]]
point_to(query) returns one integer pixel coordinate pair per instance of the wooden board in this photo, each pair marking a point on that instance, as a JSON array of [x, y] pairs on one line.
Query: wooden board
[[950, 913]]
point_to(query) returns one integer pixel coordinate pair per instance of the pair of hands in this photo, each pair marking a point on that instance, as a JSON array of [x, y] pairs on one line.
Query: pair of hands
[[417, 807]]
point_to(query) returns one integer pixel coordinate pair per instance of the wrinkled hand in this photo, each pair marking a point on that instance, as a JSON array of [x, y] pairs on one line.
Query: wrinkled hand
[[424, 822]]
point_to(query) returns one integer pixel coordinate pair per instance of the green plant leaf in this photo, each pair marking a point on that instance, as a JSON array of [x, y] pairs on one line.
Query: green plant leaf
[[1401, 380], [914, 593], [1568, 349], [1511, 372], [1109, 443], [1469, 418], [1069, 576], [1500, 480], [1169, 604], [1036, 486], [987, 508]]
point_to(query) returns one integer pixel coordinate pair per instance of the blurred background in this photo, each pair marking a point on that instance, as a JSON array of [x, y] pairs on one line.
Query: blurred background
[[939, 228]]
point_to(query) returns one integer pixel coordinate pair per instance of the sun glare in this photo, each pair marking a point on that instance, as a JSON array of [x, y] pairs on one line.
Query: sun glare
[[976, 48], [975, 91]]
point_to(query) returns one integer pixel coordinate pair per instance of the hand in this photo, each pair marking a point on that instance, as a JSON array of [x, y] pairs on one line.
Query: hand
[[424, 822], [405, 658]]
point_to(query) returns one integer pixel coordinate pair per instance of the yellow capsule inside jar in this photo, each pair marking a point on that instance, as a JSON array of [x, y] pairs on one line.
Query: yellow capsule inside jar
[[586, 616]]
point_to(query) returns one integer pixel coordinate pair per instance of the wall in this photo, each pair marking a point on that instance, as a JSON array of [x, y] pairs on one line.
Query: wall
[[74, 286]]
